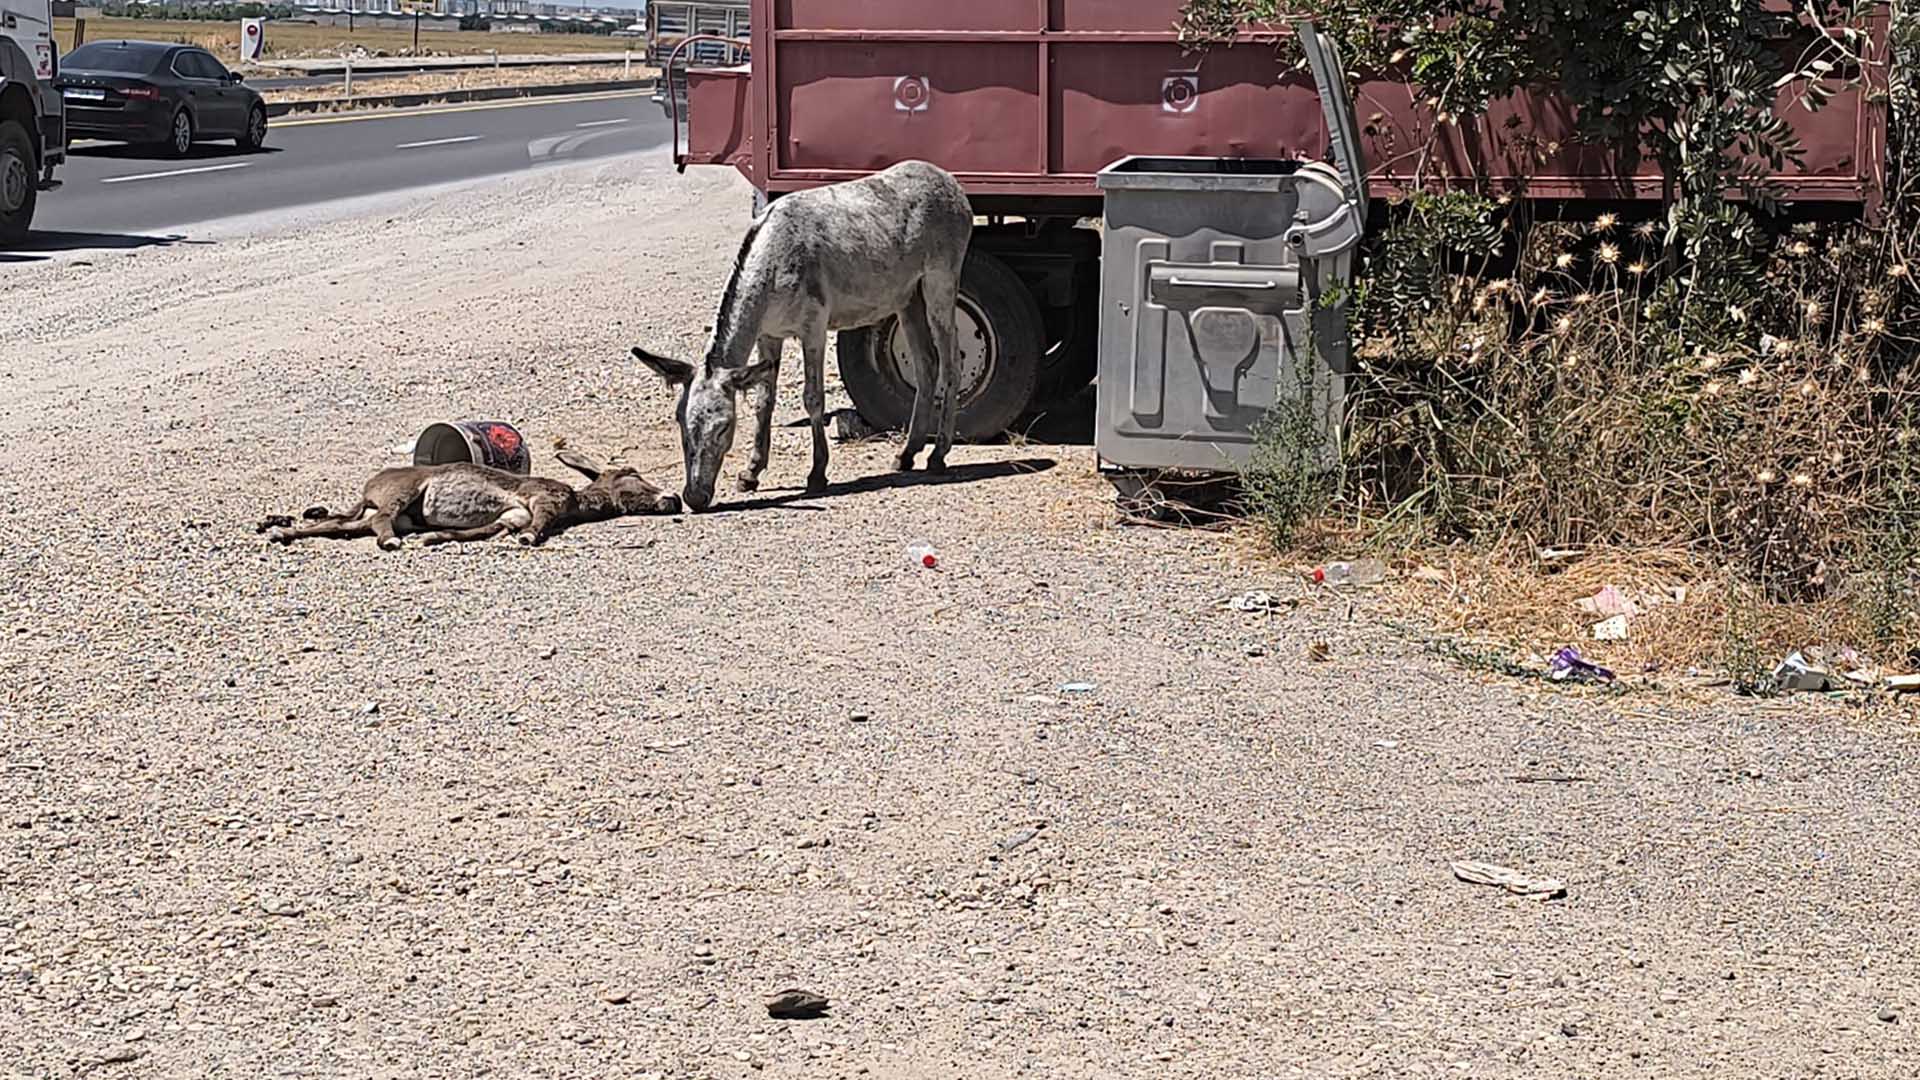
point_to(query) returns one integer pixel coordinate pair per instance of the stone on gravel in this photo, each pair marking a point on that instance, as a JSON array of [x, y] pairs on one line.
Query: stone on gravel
[[796, 1004], [1513, 881], [1018, 838]]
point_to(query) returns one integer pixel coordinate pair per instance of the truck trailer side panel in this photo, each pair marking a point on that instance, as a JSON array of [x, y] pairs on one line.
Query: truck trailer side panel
[[1030, 98]]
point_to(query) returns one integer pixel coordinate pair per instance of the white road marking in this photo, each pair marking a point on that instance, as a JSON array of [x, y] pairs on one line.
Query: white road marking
[[602, 123], [435, 142], [177, 172]]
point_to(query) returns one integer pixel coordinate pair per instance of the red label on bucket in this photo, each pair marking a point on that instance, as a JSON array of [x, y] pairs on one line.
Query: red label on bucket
[[504, 439], [493, 443]]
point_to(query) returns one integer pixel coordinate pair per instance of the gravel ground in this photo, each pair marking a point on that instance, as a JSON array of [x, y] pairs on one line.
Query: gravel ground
[[576, 811]]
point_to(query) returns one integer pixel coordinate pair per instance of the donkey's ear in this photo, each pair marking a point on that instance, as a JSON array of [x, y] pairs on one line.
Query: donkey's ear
[[580, 463], [675, 372]]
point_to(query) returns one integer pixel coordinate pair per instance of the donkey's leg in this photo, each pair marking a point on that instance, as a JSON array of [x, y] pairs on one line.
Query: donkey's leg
[[913, 320], [813, 347], [478, 532], [344, 526], [941, 293], [535, 521], [761, 396], [381, 525]]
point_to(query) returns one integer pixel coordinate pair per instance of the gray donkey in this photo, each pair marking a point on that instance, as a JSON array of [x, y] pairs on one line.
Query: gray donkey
[[830, 258]]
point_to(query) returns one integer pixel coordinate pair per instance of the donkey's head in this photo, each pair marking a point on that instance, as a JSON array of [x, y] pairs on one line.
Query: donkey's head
[[707, 414], [619, 492]]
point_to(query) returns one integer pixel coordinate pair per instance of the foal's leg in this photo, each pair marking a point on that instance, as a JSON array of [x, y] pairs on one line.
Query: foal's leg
[[381, 525], [760, 395], [913, 320], [478, 532], [941, 293], [813, 347], [343, 526]]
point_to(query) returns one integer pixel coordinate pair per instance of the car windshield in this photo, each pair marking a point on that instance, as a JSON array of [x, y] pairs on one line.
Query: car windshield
[[104, 57]]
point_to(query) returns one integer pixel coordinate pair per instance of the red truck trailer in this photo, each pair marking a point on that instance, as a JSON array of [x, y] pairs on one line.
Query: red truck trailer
[[1025, 100]]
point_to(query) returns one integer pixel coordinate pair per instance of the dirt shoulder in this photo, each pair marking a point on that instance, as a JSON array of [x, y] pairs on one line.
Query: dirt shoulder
[[338, 813]]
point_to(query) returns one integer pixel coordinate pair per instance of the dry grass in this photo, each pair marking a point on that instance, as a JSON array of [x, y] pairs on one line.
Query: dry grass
[[1691, 615], [291, 40], [463, 80]]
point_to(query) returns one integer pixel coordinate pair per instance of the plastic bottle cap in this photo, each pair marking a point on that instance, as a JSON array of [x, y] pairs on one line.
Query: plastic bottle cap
[[927, 560]]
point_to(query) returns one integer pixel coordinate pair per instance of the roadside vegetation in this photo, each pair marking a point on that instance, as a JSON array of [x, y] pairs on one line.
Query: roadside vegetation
[[1710, 409]]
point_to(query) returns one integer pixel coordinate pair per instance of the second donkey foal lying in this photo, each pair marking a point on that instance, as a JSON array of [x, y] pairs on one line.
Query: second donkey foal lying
[[443, 503]]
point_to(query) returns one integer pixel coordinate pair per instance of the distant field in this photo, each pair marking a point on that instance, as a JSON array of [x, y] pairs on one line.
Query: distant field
[[292, 40]]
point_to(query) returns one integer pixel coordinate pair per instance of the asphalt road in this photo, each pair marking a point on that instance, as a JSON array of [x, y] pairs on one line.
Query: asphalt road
[[114, 194]]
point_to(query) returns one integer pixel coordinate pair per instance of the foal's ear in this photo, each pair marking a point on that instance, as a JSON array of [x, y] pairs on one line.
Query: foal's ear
[[580, 463], [675, 372]]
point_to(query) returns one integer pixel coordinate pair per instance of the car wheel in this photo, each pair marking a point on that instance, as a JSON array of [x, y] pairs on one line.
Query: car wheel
[[17, 190], [1000, 339], [180, 135], [255, 136]]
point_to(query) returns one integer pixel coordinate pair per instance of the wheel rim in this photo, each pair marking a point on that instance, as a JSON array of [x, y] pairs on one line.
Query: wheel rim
[[978, 346], [182, 133], [257, 127], [16, 180]]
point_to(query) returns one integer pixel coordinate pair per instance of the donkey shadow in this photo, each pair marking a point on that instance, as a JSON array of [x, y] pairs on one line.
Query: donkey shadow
[[796, 498]]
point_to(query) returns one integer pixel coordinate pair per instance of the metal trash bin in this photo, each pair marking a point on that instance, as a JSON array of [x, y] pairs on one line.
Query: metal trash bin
[[1224, 291]]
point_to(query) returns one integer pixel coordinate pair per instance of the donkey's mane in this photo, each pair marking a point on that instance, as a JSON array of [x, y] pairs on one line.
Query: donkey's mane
[[723, 322]]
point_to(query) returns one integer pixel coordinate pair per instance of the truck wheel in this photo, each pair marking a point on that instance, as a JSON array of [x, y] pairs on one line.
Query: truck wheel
[[1072, 339], [1000, 338], [1073, 351], [17, 191]]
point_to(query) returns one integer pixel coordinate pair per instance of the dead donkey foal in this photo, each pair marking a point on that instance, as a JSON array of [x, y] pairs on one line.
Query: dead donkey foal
[[444, 503], [830, 258]]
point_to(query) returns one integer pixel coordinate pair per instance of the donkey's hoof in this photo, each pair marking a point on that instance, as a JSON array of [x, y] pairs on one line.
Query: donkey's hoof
[[392, 543], [937, 463], [817, 483], [903, 463], [743, 482]]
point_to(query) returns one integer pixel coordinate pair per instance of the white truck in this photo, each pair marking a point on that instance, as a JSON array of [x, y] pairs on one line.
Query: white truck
[[33, 133]]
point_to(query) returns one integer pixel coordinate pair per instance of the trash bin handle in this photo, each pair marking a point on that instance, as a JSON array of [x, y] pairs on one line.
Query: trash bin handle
[[1199, 284]]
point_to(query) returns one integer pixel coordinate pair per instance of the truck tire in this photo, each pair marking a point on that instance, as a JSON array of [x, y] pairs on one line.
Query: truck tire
[[1001, 339], [1073, 335], [18, 192]]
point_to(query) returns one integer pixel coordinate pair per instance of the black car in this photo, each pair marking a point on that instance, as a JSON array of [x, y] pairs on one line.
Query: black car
[[160, 93]]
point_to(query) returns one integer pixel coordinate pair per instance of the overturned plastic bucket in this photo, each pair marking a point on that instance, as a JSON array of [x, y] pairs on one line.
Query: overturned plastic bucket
[[493, 443]]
